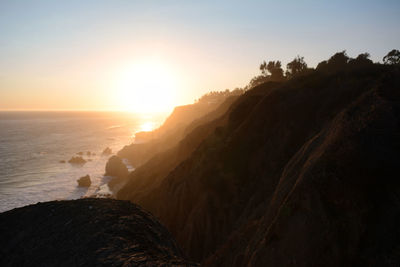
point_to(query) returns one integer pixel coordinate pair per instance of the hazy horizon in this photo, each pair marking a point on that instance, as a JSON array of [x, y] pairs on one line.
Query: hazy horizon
[[150, 57], [82, 110]]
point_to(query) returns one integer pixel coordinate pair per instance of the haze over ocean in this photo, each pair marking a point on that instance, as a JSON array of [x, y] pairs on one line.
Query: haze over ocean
[[32, 144]]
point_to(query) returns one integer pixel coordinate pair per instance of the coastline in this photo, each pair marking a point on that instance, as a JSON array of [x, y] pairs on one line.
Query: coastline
[[35, 148]]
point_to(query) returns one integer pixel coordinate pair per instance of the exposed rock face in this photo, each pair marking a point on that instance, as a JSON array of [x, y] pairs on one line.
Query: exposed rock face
[[84, 181], [107, 151], [85, 232], [115, 167], [77, 160], [296, 173]]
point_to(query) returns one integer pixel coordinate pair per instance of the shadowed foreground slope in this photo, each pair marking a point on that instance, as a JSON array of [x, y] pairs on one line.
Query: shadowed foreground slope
[[303, 172], [86, 232]]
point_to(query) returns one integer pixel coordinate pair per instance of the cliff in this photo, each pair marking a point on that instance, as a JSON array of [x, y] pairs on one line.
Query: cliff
[[85, 232], [174, 129], [301, 172]]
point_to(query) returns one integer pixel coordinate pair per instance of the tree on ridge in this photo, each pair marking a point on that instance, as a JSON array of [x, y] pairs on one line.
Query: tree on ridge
[[296, 67], [392, 58]]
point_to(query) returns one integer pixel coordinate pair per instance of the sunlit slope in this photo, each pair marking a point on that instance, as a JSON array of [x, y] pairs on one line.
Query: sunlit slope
[[181, 121]]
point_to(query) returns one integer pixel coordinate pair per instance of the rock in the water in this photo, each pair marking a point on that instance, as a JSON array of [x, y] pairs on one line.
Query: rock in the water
[[84, 181], [77, 160], [107, 151], [62, 161], [89, 153], [115, 167], [80, 153], [86, 232]]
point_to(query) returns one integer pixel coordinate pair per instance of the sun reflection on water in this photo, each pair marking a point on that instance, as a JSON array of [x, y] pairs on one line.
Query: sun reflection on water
[[146, 127]]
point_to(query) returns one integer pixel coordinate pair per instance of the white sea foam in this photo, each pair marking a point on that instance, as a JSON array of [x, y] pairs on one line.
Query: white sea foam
[[33, 144]]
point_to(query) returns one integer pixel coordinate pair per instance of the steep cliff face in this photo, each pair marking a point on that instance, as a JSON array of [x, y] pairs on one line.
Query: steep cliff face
[[336, 200], [165, 137], [147, 176], [294, 173], [173, 130], [86, 232]]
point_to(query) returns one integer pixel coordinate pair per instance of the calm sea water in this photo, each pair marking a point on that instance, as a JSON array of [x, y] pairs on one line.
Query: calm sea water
[[32, 144]]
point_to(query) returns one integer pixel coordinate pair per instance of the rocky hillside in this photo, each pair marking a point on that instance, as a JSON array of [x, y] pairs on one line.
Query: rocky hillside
[[302, 172], [175, 128], [86, 232]]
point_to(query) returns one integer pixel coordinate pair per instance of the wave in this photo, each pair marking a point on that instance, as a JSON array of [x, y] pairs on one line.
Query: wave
[[116, 127]]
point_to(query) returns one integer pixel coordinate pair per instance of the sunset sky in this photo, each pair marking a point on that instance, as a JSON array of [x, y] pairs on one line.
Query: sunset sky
[[117, 55]]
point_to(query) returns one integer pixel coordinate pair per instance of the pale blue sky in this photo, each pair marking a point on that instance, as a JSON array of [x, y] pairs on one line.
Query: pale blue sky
[[67, 52]]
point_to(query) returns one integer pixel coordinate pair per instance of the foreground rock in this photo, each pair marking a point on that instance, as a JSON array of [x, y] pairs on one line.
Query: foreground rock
[[77, 160], [84, 181], [85, 232]]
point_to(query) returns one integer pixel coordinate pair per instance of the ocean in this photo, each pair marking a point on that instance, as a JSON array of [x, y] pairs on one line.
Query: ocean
[[33, 144]]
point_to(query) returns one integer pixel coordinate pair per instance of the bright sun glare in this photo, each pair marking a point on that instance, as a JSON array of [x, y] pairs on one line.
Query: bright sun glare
[[147, 126], [147, 87]]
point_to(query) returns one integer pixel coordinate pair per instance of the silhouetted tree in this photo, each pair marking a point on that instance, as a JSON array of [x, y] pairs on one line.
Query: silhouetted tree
[[257, 80], [335, 63], [392, 58], [361, 60], [296, 67], [364, 57], [322, 65], [271, 71], [218, 96], [275, 68], [338, 60], [263, 68]]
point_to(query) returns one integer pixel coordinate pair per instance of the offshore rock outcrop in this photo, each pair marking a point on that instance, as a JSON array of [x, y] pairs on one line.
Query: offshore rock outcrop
[[84, 181], [85, 232], [107, 151], [77, 160], [115, 167]]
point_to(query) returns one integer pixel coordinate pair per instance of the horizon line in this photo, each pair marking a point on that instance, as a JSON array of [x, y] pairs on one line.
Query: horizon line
[[80, 110]]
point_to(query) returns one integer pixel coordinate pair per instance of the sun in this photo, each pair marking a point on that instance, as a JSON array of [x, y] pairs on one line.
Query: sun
[[147, 87]]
